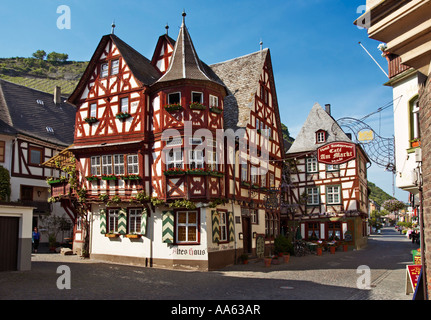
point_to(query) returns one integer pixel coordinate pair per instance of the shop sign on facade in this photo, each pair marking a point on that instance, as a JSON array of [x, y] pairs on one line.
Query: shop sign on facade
[[336, 153]]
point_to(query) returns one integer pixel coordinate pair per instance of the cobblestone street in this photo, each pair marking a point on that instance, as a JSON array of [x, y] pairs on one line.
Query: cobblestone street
[[330, 276]]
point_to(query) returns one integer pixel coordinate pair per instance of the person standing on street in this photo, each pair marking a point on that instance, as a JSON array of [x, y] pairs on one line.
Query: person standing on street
[[35, 239]]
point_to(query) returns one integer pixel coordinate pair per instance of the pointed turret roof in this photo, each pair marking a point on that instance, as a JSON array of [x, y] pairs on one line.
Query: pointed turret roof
[[185, 63], [318, 119]]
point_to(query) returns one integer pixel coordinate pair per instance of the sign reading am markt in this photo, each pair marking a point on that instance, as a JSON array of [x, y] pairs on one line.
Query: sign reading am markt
[[336, 153]]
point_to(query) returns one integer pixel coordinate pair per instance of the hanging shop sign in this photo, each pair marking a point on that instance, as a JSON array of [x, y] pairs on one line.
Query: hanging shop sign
[[366, 136], [336, 153]]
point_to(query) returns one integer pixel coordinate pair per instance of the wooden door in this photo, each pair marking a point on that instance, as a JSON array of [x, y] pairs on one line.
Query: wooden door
[[9, 227], [246, 231]]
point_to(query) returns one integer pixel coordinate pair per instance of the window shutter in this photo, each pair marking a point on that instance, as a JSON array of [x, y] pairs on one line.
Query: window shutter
[[168, 227], [102, 221], [231, 227], [144, 218], [122, 221], [216, 226]]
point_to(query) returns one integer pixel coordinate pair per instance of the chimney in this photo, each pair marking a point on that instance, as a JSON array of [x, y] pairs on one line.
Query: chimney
[[328, 109], [57, 95]]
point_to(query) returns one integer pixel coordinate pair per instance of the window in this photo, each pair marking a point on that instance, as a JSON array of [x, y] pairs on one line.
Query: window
[[174, 98], [115, 66], [118, 164], [104, 70], [124, 105], [271, 180], [187, 227], [333, 195], [213, 101], [95, 166], [263, 181], [35, 155], [107, 164], [313, 196], [133, 164], [254, 178], [311, 164], [332, 167], [174, 159], [197, 97], [2, 151], [320, 136], [244, 172], [414, 121], [271, 225], [93, 110], [254, 216], [196, 160], [223, 225], [27, 193], [113, 215], [135, 220], [257, 124], [313, 231], [334, 230]]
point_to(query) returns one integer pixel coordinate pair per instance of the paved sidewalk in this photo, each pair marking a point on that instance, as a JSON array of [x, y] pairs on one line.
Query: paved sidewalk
[[330, 276]]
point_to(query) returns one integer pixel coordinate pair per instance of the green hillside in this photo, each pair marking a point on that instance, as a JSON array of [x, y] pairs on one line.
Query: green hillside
[[377, 194], [41, 74]]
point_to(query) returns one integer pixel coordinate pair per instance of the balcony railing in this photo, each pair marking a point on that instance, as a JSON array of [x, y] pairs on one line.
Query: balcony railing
[[395, 66]]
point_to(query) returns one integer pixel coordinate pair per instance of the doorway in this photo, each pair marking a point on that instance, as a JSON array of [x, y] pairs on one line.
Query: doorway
[[246, 232]]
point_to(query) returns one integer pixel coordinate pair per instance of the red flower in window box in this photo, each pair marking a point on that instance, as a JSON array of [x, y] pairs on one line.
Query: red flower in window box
[[198, 171], [109, 177], [175, 171]]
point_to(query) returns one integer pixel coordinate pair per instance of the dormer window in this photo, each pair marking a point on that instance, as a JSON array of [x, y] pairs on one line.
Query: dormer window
[[321, 136]]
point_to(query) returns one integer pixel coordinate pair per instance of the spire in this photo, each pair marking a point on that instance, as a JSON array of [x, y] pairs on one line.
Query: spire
[[185, 63], [113, 27]]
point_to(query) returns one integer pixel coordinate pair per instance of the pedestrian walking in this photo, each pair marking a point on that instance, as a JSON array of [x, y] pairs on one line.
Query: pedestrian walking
[[35, 239]]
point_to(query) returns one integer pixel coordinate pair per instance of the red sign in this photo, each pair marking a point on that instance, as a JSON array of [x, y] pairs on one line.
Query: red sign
[[336, 153], [414, 272]]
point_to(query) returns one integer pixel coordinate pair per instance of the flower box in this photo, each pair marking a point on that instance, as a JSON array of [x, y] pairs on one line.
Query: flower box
[[174, 172], [54, 181], [199, 172], [132, 236], [122, 115], [216, 110], [415, 143], [245, 184], [92, 178], [197, 106], [131, 177], [91, 120], [173, 107], [216, 174], [111, 177], [112, 235]]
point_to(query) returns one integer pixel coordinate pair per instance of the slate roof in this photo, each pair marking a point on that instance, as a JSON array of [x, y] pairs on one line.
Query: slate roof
[[318, 119], [241, 77], [21, 113], [185, 62]]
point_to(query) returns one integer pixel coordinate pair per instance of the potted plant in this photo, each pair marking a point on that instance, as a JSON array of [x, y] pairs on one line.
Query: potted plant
[[197, 106], [52, 240], [216, 110], [122, 115], [319, 248], [172, 107], [244, 258], [91, 120], [267, 260]]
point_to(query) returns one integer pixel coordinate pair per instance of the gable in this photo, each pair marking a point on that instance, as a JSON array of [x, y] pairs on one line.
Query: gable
[[163, 53]]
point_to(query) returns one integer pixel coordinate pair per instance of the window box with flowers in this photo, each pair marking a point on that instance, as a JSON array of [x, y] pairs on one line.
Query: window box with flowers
[[91, 120], [122, 115], [112, 235], [132, 236], [198, 171], [92, 178], [197, 106], [216, 110], [173, 107], [174, 172], [217, 174], [131, 177], [109, 177], [415, 143]]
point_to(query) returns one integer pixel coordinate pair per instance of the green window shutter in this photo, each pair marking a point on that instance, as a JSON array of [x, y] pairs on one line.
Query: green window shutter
[[122, 221], [231, 226], [168, 227], [144, 218], [102, 221], [216, 226]]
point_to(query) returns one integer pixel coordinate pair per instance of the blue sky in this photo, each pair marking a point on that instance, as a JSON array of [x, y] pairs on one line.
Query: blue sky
[[314, 47]]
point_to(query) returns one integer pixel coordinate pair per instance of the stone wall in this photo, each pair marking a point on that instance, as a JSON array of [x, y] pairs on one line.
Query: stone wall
[[425, 123]]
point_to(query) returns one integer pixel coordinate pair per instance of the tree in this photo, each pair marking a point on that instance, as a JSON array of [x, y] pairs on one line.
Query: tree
[[393, 205], [5, 189], [39, 54], [57, 57]]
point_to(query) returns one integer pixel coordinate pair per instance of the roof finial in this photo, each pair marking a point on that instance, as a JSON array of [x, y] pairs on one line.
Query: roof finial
[[113, 27], [167, 29], [261, 45], [184, 16]]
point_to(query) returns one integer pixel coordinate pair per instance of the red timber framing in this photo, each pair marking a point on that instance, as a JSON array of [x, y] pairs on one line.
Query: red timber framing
[[313, 190], [163, 53]]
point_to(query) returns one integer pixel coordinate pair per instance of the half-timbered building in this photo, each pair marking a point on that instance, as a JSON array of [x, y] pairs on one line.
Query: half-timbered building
[[157, 148], [34, 127], [328, 182]]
